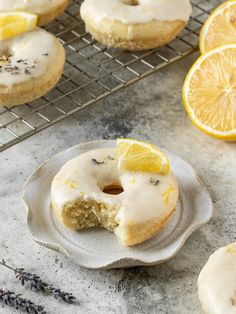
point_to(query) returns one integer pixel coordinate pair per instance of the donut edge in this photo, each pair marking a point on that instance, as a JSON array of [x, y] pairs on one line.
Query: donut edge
[[51, 15], [136, 36]]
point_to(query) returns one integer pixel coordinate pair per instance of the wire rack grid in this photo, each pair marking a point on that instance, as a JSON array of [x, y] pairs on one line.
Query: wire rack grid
[[93, 71]]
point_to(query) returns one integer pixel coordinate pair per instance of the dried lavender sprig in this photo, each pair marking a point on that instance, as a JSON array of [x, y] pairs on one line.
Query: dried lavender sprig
[[15, 300], [36, 283], [154, 182], [97, 163]]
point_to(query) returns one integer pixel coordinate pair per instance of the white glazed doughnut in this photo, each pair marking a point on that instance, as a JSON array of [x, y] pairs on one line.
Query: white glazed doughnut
[[135, 24], [30, 65], [47, 10], [135, 215], [217, 282]]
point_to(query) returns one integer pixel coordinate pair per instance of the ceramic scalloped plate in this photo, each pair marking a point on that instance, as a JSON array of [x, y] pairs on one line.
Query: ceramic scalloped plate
[[98, 248]]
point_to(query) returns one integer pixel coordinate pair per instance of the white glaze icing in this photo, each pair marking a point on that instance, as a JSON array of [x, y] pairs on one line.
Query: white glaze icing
[[31, 53], [146, 11], [33, 6], [217, 282], [140, 201]]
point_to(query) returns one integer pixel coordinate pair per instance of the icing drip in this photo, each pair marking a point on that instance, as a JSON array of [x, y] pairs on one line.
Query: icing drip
[[145, 11], [26, 56], [144, 196]]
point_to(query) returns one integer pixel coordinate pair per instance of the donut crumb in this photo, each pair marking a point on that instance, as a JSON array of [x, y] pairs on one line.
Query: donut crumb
[[233, 301]]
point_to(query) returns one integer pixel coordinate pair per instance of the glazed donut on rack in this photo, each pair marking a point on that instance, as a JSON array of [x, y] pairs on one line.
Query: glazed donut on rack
[[135, 24], [30, 65], [46, 10]]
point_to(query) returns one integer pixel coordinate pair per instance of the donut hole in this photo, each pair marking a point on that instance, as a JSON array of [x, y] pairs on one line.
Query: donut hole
[[130, 2], [113, 189]]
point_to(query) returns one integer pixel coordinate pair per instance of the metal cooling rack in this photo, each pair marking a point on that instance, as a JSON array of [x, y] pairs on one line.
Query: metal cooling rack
[[93, 72]]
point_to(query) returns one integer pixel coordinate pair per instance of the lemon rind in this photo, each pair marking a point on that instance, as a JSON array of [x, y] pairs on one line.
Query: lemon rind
[[165, 166], [208, 21], [229, 135], [31, 19]]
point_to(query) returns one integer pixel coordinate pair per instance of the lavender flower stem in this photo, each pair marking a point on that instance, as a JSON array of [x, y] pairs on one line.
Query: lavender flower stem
[[9, 298], [36, 283]]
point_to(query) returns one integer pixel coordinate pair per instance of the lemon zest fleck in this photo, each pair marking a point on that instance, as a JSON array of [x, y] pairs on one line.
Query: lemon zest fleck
[[132, 180], [72, 184], [231, 249], [166, 195]]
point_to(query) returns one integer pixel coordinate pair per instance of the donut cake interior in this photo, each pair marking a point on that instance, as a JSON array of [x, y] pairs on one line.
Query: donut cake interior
[[82, 214]]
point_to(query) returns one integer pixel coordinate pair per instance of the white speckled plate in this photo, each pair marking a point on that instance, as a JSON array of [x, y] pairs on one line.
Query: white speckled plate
[[98, 248]]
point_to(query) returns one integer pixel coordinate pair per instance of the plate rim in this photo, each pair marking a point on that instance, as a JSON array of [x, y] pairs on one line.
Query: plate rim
[[123, 261]]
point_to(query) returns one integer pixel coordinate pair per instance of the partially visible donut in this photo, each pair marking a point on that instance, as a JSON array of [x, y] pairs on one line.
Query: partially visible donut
[[135, 24], [30, 65], [217, 282], [47, 10]]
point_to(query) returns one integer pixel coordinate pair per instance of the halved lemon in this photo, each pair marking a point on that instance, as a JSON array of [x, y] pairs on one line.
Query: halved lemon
[[220, 27], [135, 155], [16, 23], [209, 92]]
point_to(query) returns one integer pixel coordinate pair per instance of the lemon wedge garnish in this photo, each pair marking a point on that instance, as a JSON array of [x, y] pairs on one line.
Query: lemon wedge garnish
[[209, 92], [135, 155], [220, 27], [16, 23]]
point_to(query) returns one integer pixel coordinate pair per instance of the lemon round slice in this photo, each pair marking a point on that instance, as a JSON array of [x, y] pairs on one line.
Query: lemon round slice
[[135, 155], [16, 23], [220, 27], [209, 92]]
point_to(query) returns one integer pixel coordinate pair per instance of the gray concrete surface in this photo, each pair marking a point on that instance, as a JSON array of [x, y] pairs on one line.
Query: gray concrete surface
[[151, 110]]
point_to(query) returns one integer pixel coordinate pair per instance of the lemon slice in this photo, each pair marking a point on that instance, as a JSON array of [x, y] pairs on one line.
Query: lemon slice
[[135, 155], [209, 92], [220, 27], [13, 24]]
